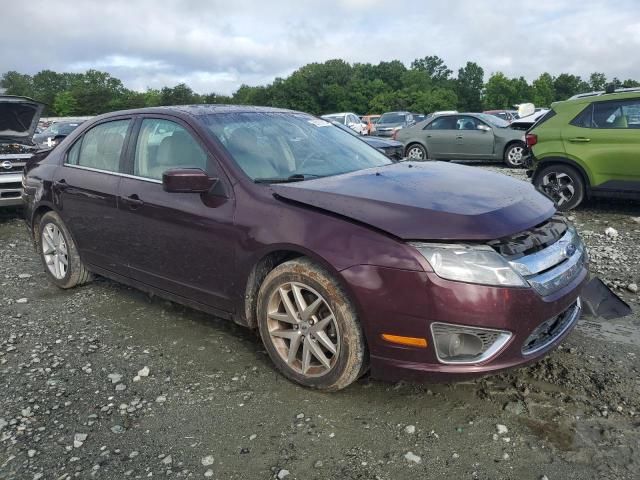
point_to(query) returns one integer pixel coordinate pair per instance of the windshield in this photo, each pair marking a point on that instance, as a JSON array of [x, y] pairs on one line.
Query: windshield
[[60, 129], [493, 120], [337, 118], [392, 118], [290, 146]]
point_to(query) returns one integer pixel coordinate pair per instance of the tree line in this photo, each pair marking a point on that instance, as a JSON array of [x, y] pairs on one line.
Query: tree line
[[425, 86]]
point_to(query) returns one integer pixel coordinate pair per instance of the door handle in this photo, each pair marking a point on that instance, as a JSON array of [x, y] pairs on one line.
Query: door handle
[[580, 140], [133, 201], [60, 185]]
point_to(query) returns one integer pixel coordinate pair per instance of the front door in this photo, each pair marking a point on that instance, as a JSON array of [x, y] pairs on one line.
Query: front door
[[440, 137], [471, 140], [182, 243], [86, 187]]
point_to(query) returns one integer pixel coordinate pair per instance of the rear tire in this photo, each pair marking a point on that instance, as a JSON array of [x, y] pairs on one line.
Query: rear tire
[[309, 327], [561, 183], [416, 152], [514, 155], [59, 254]]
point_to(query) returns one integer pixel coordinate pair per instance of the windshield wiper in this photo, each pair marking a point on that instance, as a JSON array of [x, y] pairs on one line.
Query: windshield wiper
[[296, 177]]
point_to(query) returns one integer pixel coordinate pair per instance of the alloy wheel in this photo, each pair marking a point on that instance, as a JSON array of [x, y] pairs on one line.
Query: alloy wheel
[[303, 329], [516, 155], [559, 186], [54, 249], [416, 153]]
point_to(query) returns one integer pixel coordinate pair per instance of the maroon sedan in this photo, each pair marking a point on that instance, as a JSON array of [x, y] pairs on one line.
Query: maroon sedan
[[342, 259]]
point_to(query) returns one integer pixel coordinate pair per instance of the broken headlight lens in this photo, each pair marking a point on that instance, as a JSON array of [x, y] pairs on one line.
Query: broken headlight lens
[[470, 263]]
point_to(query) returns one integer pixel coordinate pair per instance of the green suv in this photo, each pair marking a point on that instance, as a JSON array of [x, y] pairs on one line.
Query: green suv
[[588, 146]]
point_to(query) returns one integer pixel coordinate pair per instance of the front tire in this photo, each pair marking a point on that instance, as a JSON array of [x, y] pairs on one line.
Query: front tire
[[59, 254], [416, 152], [515, 154], [563, 184], [309, 327]]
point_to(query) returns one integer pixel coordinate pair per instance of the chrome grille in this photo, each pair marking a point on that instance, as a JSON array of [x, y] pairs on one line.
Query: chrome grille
[[555, 266]]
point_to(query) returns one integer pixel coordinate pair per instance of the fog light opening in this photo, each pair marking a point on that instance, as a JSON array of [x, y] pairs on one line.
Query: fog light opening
[[462, 345], [467, 345]]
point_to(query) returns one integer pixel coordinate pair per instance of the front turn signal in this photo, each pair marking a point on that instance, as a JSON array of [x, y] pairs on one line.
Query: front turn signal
[[408, 341]]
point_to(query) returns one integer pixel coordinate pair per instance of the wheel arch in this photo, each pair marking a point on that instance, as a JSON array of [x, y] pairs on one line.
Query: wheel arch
[[416, 142], [264, 264], [564, 161]]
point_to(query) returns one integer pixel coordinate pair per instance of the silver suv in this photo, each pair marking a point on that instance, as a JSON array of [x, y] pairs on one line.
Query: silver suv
[[18, 120]]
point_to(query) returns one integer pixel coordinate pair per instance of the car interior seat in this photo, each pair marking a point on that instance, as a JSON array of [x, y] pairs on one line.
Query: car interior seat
[[108, 149], [243, 146]]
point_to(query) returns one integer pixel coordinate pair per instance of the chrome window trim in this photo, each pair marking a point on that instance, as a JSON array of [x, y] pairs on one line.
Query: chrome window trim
[[117, 174], [549, 257]]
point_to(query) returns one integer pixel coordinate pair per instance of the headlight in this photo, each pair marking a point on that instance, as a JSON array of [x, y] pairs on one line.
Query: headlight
[[397, 128], [470, 263]]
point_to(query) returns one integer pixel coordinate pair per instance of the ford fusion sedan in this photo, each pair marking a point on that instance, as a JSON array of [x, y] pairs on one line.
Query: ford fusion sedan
[[464, 136], [341, 259]]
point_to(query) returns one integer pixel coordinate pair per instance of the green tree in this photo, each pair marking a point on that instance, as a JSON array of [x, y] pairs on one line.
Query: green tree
[[543, 90], [567, 85], [17, 84], [181, 94], [468, 87], [597, 81], [499, 92], [433, 66], [65, 104]]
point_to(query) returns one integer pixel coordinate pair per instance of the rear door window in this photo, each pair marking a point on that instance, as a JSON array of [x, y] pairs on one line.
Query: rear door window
[[100, 147], [622, 114]]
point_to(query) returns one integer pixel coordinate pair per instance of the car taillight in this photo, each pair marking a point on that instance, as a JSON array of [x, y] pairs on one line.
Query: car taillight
[[531, 139]]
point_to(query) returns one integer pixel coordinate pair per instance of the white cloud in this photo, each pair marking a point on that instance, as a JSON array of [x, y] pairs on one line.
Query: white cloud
[[217, 45]]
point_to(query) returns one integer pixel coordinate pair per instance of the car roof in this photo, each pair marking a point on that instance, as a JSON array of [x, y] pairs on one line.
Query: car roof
[[601, 97]]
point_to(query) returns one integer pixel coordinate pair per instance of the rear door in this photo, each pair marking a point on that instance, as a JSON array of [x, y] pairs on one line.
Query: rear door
[[440, 137], [471, 141], [182, 243], [606, 137], [86, 188]]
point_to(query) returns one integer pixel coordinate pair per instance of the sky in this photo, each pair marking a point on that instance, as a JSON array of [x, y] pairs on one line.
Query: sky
[[215, 46]]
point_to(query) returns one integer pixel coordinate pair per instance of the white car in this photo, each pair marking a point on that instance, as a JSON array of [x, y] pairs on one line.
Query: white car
[[350, 120]]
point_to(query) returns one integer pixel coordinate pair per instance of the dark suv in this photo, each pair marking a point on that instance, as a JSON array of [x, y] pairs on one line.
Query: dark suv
[[342, 259]]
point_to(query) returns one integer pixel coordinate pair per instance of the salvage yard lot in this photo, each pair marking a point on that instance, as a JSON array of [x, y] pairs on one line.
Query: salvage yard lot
[[73, 404]]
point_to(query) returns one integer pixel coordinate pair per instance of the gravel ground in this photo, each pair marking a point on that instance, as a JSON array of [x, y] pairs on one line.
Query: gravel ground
[[106, 382]]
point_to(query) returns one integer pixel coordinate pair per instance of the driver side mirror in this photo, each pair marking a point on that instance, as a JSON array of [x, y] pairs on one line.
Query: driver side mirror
[[483, 128], [188, 180]]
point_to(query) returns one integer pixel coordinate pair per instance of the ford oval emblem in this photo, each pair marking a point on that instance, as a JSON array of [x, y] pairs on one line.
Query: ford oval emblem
[[7, 165], [570, 250]]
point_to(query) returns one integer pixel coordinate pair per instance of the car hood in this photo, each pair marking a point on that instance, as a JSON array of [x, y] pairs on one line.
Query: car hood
[[19, 117], [379, 142], [426, 201]]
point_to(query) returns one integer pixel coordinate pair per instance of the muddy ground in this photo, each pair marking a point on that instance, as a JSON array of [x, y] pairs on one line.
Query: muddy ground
[[75, 401]]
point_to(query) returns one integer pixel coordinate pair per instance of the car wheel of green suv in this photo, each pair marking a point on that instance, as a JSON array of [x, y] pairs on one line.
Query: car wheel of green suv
[[563, 184], [514, 155]]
